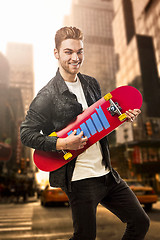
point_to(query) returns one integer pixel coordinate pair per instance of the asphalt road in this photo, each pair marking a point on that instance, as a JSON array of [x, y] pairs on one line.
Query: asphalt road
[[31, 221]]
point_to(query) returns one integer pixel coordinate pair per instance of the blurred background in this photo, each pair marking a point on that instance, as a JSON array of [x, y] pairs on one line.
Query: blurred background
[[122, 47]]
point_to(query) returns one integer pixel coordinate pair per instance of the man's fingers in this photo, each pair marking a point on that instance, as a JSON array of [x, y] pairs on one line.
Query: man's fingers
[[74, 132], [135, 112], [138, 110], [80, 134], [132, 114], [82, 137]]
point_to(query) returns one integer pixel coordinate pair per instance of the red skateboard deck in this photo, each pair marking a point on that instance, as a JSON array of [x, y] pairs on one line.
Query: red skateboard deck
[[96, 122]]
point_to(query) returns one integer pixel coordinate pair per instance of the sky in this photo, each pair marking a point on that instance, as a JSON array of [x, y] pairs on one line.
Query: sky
[[34, 22]]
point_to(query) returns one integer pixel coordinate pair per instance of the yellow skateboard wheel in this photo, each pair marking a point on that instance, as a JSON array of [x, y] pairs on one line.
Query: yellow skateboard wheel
[[53, 134], [67, 156], [122, 117], [108, 96]]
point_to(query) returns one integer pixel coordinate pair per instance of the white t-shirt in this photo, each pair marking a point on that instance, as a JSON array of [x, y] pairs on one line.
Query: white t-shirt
[[88, 163]]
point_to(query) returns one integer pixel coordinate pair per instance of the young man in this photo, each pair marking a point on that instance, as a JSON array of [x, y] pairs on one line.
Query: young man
[[89, 179]]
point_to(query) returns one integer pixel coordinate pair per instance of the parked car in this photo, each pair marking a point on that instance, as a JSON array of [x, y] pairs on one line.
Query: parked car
[[53, 195], [145, 194]]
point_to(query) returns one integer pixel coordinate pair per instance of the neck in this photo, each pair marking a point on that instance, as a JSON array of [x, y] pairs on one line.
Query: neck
[[67, 76], [70, 78]]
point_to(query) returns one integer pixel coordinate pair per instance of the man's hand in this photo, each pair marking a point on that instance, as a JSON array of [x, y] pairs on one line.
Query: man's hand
[[132, 114], [72, 142]]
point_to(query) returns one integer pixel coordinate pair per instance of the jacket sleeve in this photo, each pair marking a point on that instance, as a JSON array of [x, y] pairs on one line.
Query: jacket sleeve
[[37, 126]]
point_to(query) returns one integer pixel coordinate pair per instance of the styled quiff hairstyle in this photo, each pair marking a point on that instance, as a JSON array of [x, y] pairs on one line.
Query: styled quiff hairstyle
[[67, 33]]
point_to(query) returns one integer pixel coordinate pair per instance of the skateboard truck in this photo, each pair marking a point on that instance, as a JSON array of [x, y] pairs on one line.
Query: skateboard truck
[[67, 155], [114, 107]]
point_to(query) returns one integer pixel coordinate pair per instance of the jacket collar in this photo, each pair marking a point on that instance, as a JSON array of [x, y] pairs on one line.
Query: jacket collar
[[62, 86]]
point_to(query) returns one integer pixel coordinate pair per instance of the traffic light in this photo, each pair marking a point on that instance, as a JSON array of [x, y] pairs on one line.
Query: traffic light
[[149, 130], [156, 127], [23, 163]]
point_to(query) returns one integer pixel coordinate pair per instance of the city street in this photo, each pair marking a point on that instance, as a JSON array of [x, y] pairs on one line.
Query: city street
[[79, 97], [31, 221]]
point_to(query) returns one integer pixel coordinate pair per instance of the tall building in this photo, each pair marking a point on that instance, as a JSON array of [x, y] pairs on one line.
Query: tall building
[[94, 18], [137, 45], [147, 22], [12, 113], [136, 28], [138, 65], [20, 57], [4, 70]]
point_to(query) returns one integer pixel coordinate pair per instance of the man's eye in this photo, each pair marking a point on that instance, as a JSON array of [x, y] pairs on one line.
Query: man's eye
[[80, 52], [68, 52]]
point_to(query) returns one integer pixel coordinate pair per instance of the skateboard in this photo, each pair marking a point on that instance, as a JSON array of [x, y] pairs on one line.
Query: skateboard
[[97, 121]]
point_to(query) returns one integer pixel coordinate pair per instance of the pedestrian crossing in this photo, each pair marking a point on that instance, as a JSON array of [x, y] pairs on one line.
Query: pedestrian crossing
[[16, 223], [15, 218]]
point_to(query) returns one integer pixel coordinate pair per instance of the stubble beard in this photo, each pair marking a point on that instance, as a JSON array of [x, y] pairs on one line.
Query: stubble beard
[[67, 69]]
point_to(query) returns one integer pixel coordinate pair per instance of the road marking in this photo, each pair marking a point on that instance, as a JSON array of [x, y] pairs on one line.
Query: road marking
[[16, 219], [6, 219], [15, 229], [15, 223], [57, 235]]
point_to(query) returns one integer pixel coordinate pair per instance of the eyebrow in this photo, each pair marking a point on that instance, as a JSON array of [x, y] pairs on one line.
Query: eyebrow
[[72, 49]]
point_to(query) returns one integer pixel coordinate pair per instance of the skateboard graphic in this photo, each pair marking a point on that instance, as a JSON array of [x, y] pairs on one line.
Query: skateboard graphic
[[96, 122]]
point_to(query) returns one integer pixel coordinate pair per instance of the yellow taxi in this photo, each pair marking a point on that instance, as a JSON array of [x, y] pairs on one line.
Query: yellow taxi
[[145, 194], [53, 195]]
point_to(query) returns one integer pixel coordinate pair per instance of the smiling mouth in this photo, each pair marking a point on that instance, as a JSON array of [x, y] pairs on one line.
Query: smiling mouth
[[75, 64]]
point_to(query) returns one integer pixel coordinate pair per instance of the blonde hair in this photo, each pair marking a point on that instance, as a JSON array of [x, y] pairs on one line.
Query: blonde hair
[[67, 33]]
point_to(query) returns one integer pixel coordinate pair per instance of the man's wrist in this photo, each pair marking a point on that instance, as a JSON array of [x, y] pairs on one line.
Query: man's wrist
[[66, 145], [61, 144]]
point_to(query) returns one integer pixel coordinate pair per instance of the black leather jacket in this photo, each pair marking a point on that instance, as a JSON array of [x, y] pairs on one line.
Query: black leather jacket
[[52, 109]]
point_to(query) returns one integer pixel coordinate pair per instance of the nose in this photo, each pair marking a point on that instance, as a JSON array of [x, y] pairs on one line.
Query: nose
[[75, 57]]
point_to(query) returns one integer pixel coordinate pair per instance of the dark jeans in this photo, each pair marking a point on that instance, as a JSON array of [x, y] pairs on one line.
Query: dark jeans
[[118, 198]]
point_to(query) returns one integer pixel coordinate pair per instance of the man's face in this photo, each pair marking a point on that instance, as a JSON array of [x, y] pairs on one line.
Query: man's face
[[70, 56]]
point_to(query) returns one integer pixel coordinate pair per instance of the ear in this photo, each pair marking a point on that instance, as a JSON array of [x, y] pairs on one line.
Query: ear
[[56, 54]]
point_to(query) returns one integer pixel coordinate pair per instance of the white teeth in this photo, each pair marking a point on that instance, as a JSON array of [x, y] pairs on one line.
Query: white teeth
[[74, 64]]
